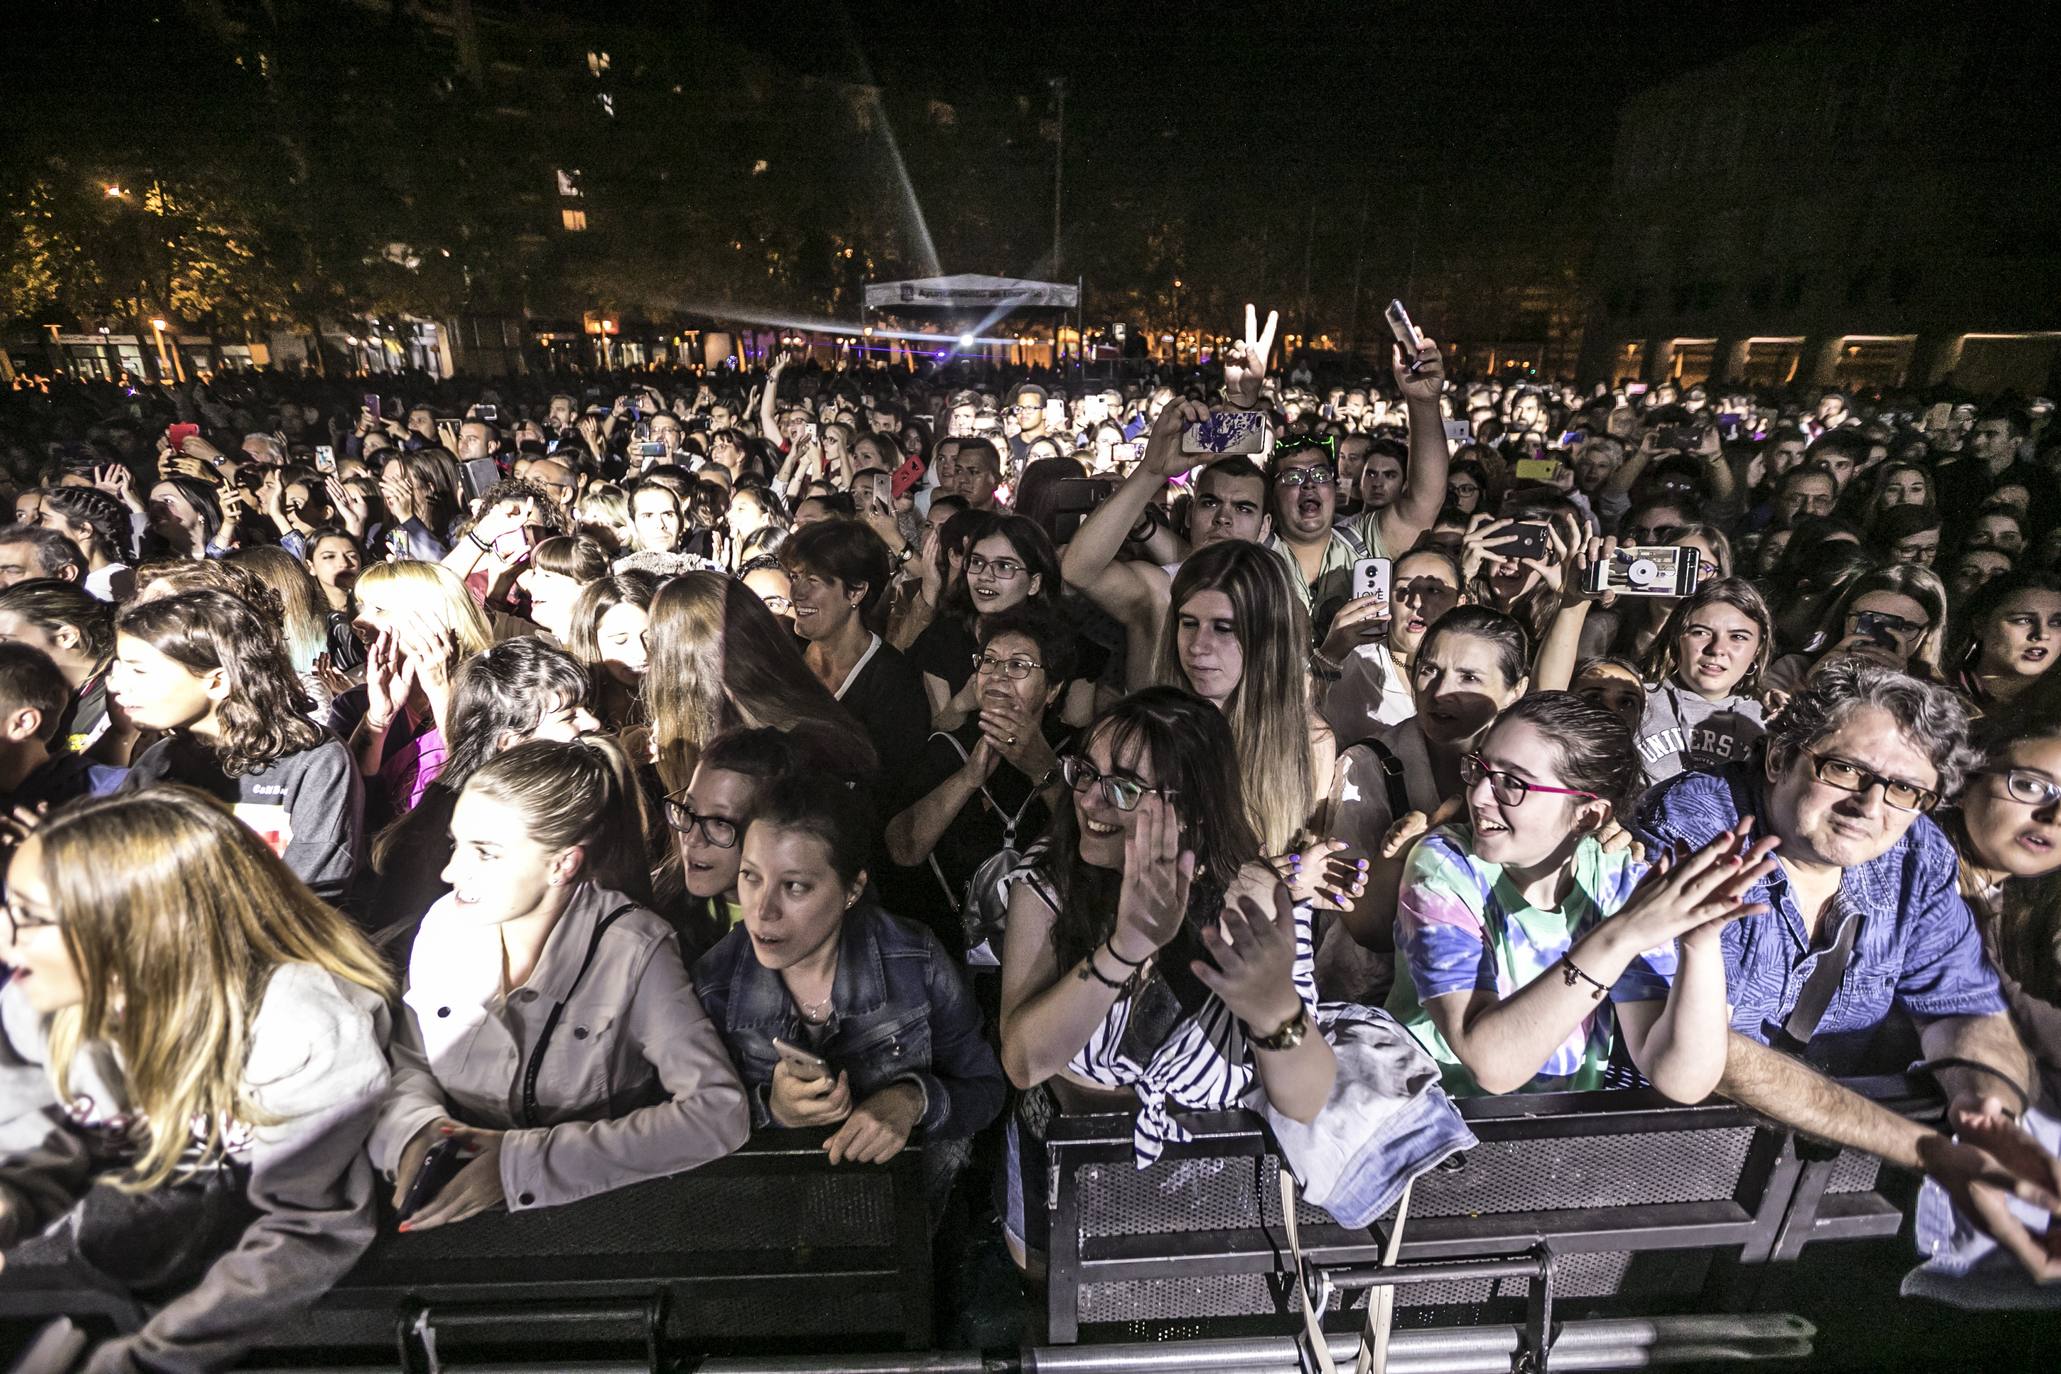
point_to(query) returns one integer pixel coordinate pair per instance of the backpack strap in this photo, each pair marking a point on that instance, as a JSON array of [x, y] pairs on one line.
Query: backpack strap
[[1393, 779]]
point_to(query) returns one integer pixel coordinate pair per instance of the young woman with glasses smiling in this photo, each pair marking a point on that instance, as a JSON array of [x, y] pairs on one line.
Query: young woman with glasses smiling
[[1009, 562], [1150, 960], [708, 818], [1527, 947]]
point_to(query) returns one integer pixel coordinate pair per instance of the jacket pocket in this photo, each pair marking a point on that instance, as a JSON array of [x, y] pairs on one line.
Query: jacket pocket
[[576, 1080]]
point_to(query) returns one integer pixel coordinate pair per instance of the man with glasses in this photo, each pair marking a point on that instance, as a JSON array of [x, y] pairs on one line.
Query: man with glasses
[[1027, 408], [1865, 943], [1302, 475]]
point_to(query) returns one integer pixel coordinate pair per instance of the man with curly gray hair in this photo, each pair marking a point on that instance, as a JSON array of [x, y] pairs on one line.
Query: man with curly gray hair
[[1863, 936]]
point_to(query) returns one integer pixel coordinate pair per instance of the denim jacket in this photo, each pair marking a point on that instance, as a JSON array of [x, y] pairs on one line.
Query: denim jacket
[[900, 1011]]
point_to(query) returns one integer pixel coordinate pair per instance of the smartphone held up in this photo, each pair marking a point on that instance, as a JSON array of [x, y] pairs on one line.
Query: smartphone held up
[[1226, 432]]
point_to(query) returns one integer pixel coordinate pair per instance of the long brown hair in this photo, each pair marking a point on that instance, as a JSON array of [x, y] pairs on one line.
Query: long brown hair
[[177, 916], [719, 660], [1269, 710]]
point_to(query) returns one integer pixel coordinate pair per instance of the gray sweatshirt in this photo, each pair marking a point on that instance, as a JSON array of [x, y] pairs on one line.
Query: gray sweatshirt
[[317, 1064]]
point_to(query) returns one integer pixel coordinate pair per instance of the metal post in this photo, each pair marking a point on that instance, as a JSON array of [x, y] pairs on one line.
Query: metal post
[[1058, 163]]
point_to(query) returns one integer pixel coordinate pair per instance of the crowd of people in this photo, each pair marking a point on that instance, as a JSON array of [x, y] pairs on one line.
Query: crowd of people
[[428, 797]]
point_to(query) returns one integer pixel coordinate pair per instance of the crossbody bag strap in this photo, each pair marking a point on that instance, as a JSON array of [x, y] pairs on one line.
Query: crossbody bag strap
[[951, 898], [1394, 779], [1373, 1356], [530, 1070], [1818, 989]]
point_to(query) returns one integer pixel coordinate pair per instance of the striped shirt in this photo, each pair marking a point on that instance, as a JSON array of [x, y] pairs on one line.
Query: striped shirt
[[1205, 1064]]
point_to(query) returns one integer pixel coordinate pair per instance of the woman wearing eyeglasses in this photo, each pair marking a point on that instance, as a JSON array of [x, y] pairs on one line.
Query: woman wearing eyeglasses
[[992, 783], [1528, 949], [1151, 964], [1895, 616], [709, 816], [1009, 563], [2007, 829]]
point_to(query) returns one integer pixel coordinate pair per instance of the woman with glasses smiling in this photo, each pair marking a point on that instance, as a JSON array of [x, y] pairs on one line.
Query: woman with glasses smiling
[[1009, 563], [1152, 964], [708, 818], [1528, 949]]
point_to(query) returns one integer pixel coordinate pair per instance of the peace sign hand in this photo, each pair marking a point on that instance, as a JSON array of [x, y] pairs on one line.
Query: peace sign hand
[[1245, 363]]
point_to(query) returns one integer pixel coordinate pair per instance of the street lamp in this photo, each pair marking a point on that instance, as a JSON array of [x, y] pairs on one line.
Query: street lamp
[[114, 191]]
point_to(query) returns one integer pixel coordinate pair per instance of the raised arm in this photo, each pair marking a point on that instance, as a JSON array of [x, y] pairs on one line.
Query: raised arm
[[1424, 490], [1090, 564]]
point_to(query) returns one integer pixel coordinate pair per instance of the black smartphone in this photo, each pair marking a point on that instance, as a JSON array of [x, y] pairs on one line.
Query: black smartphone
[[476, 475], [1525, 541], [439, 1167]]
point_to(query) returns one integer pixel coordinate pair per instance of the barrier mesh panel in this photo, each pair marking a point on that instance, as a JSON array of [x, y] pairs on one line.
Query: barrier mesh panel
[[1854, 1172], [1497, 1177], [1576, 1277]]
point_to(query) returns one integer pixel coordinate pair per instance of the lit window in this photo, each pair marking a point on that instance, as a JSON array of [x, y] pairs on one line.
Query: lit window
[[597, 62], [607, 104], [569, 182], [574, 220], [758, 169]]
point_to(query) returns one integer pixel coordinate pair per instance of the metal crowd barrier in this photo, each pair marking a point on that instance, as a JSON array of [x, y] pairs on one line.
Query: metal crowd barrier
[[1554, 1242], [1603, 1204]]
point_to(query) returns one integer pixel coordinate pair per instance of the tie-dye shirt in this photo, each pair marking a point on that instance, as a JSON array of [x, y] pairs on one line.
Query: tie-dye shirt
[[1461, 926]]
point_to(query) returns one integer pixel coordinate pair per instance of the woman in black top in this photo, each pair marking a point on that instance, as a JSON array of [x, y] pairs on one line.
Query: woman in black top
[[990, 784], [839, 570]]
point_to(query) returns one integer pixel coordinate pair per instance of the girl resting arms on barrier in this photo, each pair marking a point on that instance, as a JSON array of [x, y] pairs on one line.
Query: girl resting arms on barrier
[[1516, 925], [548, 1026]]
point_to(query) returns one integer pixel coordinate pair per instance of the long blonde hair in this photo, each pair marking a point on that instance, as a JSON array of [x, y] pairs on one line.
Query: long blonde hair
[[177, 916], [1269, 710], [437, 592], [719, 660]]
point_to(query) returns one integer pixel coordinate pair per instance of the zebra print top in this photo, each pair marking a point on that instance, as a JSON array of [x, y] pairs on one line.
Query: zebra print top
[[1204, 1064]]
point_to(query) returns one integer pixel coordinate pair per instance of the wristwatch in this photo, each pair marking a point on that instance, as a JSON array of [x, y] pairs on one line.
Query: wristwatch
[[1288, 1036]]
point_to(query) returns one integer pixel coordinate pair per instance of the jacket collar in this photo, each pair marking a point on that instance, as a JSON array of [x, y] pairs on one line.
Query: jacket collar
[[758, 997]]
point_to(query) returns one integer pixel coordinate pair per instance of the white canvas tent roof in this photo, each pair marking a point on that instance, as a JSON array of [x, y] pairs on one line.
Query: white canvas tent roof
[[971, 291]]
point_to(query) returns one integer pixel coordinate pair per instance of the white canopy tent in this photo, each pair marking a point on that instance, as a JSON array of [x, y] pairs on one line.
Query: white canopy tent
[[973, 303], [970, 291]]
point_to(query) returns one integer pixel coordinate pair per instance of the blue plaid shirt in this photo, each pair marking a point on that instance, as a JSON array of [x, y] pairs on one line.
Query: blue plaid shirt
[[1916, 948]]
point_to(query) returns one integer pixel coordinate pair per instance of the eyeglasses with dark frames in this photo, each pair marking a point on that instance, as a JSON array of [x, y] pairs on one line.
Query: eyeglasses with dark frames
[[1848, 776], [19, 921], [1004, 569], [719, 831], [1508, 788], [1120, 792]]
